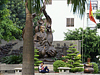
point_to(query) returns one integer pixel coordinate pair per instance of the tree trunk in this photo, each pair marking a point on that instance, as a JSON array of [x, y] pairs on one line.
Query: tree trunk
[[28, 46]]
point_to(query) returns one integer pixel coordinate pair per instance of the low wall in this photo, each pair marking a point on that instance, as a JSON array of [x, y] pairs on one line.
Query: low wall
[[67, 42], [9, 68]]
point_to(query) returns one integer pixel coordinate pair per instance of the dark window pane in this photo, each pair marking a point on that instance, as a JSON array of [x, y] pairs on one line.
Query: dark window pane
[[70, 22]]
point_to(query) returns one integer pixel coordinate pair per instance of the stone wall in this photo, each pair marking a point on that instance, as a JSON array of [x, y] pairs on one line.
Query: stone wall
[[20, 43], [68, 42], [15, 47]]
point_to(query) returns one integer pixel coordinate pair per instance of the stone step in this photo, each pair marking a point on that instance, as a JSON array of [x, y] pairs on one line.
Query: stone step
[[50, 66]]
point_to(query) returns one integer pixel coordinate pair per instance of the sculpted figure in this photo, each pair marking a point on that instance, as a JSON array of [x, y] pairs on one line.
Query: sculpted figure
[[48, 25], [43, 39]]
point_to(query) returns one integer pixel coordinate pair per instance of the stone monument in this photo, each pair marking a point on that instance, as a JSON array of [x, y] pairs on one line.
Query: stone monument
[[43, 37]]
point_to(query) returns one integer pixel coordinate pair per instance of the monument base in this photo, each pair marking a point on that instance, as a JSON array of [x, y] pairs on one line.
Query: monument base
[[47, 60]]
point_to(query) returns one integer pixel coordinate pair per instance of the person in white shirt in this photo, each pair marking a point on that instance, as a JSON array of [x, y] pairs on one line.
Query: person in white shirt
[[43, 69]]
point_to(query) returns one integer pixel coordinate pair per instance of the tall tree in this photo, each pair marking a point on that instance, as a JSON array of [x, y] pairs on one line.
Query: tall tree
[[7, 30], [28, 45], [28, 48]]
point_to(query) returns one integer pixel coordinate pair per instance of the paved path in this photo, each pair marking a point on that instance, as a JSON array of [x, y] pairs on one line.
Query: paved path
[[56, 74], [64, 74]]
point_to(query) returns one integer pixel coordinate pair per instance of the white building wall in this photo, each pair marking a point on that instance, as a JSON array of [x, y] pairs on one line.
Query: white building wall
[[59, 11]]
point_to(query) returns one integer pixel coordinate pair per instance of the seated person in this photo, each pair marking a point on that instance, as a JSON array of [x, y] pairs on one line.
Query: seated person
[[43, 69]]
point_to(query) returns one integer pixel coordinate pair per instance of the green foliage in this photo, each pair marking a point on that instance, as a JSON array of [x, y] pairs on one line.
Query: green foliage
[[78, 6], [54, 58], [37, 6], [98, 25], [36, 69], [95, 67], [7, 30], [97, 14], [3, 2], [17, 59], [17, 13], [74, 62], [63, 58], [76, 69], [12, 59], [58, 63], [91, 41], [36, 60], [98, 17]]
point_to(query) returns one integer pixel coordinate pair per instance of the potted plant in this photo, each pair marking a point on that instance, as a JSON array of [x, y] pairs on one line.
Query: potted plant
[[63, 58]]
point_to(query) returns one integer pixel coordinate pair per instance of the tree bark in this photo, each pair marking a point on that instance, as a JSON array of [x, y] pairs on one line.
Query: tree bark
[[28, 46]]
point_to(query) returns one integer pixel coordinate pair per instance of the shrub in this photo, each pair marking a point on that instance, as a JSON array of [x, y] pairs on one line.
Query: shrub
[[58, 63], [12, 59], [91, 41], [17, 59], [76, 69], [95, 67], [36, 60]]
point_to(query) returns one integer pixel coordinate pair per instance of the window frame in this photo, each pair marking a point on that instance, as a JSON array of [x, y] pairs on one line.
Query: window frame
[[71, 23]]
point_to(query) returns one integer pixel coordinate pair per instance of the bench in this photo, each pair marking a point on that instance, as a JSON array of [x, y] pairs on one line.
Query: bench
[[9, 68], [64, 69], [18, 71]]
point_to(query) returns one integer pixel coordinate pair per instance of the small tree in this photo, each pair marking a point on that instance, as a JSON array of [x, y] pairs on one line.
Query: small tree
[[36, 60], [74, 61]]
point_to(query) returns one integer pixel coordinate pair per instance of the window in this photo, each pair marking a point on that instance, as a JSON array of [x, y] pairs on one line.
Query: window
[[48, 1], [70, 22], [94, 4]]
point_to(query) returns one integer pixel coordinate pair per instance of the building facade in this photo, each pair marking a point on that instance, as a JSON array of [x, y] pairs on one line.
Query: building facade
[[64, 19]]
